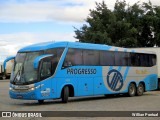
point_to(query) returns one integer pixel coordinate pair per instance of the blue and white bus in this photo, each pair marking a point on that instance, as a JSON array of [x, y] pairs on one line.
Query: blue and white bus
[[70, 69]]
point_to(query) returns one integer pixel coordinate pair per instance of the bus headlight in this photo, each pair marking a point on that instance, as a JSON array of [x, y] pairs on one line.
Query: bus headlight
[[33, 88], [10, 88]]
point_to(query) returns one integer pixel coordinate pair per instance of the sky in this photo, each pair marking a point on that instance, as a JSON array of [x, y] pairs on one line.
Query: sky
[[25, 22]]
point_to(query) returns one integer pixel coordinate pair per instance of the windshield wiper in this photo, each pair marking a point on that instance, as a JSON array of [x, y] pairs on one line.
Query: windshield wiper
[[15, 77]]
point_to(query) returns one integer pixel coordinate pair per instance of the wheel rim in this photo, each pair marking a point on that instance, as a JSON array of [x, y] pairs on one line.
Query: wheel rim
[[132, 90], [140, 89]]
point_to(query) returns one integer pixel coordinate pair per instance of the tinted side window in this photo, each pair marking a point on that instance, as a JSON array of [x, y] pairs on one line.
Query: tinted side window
[[125, 58], [57, 54], [144, 60], [152, 60], [56, 51], [45, 70], [121, 59], [134, 59], [106, 58], [90, 57], [73, 57]]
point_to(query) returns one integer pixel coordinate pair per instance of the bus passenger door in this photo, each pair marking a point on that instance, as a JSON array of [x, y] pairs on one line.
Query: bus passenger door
[[85, 86]]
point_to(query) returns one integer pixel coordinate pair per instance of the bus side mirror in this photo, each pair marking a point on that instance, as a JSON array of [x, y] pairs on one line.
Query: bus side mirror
[[6, 60], [39, 58]]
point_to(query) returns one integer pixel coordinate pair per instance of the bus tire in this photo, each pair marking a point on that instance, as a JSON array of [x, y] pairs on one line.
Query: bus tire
[[158, 84], [65, 94], [40, 101], [140, 89], [132, 90]]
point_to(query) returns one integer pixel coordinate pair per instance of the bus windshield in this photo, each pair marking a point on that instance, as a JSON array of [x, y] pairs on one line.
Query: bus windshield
[[23, 71]]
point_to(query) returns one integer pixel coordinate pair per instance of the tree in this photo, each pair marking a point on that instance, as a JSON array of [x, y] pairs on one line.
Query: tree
[[126, 26], [99, 20]]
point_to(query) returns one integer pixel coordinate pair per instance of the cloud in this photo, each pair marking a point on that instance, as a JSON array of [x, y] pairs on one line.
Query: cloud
[[58, 10], [51, 10], [44, 11]]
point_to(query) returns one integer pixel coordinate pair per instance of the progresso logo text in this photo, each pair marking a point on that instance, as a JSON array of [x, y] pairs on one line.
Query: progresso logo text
[[81, 71]]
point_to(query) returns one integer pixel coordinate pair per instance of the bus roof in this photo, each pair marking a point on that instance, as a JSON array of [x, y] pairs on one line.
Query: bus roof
[[49, 45], [43, 46]]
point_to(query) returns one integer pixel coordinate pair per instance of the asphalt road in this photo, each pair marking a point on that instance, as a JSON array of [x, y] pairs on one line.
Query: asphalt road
[[150, 101]]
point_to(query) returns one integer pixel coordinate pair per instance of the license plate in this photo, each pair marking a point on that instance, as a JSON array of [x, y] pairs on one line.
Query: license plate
[[19, 96]]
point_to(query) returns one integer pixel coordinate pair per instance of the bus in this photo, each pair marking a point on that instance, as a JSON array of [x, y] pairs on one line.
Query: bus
[[54, 70]]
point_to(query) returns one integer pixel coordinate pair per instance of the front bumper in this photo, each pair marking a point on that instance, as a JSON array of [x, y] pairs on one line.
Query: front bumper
[[31, 95]]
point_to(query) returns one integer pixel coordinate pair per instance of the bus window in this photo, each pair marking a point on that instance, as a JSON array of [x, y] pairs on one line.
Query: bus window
[[134, 57], [73, 57], [57, 54], [56, 51], [91, 57], [121, 59], [106, 58], [45, 70], [144, 60], [126, 59], [152, 60]]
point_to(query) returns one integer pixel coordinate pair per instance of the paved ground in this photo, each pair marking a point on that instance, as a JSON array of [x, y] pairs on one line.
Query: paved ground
[[150, 101]]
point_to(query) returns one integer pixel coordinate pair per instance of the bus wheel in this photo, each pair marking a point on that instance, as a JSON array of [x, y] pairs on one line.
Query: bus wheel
[[40, 101], [65, 94], [132, 90], [140, 89], [158, 85]]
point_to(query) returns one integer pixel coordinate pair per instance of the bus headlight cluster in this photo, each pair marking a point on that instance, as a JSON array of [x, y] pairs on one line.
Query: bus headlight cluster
[[33, 88], [10, 88]]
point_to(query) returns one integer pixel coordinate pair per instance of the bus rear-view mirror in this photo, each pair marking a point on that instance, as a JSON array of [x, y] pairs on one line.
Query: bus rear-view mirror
[[39, 58], [6, 60]]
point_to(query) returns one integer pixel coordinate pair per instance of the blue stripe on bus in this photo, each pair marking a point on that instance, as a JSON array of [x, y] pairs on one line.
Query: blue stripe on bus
[[119, 68], [125, 50], [126, 73], [110, 68]]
